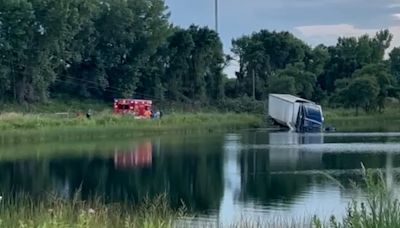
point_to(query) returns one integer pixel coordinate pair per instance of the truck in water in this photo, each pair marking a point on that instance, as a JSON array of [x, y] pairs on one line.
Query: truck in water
[[295, 113]]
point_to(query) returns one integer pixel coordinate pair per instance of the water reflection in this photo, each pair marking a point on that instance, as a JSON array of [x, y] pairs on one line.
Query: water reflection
[[287, 177], [183, 168], [140, 156], [286, 154], [217, 175], [232, 179]]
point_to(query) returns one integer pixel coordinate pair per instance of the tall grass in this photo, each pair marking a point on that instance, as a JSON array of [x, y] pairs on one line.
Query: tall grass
[[243, 222], [24, 212], [346, 120], [12, 121], [24, 128], [380, 209]]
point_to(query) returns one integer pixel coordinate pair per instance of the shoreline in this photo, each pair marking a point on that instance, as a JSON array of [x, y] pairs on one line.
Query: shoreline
[[23, 128], [343, 120]]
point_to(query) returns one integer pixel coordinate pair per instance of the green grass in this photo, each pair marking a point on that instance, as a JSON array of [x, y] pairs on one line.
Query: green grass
[[62, 113], [106, 121], [52, 212], [346, 120], [380, 209]]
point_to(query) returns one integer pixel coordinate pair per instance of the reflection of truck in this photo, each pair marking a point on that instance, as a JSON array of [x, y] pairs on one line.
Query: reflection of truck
[[290, 151], [295, 113], [140, 156]]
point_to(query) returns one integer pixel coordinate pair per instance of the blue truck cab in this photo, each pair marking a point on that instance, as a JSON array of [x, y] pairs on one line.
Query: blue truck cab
[[309, 118]]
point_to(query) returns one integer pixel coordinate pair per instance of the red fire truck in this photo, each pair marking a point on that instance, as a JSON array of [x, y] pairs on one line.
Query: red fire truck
[[136, 107]]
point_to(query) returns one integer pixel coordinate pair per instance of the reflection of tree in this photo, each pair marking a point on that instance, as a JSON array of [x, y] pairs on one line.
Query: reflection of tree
[[358, 139], [190, 171], [28, 176], [260, 185], [354, 160]]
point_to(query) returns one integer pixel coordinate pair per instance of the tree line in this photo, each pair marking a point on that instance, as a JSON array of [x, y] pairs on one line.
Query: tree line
[[104, 49], [129, 48], [353, 73]]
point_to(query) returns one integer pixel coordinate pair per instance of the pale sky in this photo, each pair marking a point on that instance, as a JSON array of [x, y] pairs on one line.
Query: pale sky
[[314, 21]]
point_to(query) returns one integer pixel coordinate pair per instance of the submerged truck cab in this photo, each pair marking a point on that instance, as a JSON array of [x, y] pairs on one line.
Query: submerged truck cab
[[295, 113], [310, 118]]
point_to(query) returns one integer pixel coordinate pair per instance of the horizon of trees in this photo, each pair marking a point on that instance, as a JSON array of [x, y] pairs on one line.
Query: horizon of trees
[[129, 48]]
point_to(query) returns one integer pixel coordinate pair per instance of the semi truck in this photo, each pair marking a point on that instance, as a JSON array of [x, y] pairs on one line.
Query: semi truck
[[295, 113]]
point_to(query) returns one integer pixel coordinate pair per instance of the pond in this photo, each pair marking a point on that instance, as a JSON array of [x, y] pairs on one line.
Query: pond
[[218, 176]]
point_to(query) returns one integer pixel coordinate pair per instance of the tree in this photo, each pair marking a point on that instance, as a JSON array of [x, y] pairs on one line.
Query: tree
[[196, 61], [206, 64], [181, 45], [351, 54], [395, 63], [17, 19], [282, 84], [316, 59], [35, 36], [383, 78], [362, 92], [262, 54], [107, 49], [304, 81]]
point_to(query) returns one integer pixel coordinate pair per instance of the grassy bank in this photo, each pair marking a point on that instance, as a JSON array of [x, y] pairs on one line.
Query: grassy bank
[[109, 121], [61, 115], [54, 212], [347, 120]]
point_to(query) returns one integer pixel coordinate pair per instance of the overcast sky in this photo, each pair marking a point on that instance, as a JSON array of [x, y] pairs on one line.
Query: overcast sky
[[314, 21]]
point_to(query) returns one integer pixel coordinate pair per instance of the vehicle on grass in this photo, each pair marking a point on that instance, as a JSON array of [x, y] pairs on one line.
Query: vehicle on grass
[[138, 108]]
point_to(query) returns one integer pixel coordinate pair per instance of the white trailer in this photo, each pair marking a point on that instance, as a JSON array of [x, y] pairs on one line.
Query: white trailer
[[294, 112]]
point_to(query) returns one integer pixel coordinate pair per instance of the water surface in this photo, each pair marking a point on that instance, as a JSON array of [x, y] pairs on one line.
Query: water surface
[[218, 176]]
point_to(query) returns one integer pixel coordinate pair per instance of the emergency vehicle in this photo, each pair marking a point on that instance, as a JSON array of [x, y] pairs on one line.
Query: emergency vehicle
[[136, 107]]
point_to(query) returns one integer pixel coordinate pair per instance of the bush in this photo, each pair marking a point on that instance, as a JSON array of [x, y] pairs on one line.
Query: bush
[[240, 105]]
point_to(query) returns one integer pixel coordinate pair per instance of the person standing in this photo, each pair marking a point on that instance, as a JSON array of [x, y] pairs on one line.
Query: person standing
[[147, 113]]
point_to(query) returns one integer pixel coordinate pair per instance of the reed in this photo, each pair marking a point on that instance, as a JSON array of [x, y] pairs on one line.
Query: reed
[[24, 212]]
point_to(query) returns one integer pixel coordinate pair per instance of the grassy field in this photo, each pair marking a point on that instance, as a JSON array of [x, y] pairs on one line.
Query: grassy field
[[62, 115], [346, 120], [18, 121], [69, 114]]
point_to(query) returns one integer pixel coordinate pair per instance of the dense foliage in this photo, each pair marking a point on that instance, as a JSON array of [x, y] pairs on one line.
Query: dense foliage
[[354, 73], [129, 48], [104, 49]]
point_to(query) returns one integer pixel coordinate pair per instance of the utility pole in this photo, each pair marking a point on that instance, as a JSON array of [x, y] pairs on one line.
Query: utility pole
[[216, 16], [254, 85]]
